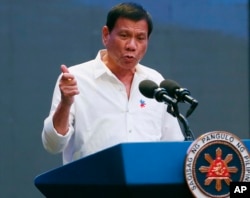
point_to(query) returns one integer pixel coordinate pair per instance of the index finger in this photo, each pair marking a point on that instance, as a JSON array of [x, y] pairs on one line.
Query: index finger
[[66, 73], [64, 69]]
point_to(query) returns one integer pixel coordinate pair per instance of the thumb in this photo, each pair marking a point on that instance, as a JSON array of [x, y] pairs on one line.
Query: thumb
[[64, 69]]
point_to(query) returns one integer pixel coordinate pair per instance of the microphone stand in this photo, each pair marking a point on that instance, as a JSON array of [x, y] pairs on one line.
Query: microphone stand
[[189, 136], [174, 110]]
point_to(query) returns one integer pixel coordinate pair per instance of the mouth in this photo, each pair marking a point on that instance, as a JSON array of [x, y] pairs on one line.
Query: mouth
[[129, 57]]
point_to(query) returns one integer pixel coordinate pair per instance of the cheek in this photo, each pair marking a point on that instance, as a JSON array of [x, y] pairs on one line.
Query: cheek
[[115, 45], [143, 49]]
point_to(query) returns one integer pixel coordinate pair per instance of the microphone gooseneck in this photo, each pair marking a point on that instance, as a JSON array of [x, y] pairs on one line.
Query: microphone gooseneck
[[170, 93], [151, 90], [181, 94]]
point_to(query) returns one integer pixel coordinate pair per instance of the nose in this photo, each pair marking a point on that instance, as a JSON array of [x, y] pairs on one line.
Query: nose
[[131, 44]]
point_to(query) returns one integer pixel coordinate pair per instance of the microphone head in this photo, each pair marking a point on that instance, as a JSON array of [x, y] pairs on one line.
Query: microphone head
[[170, 86], [147, 88]]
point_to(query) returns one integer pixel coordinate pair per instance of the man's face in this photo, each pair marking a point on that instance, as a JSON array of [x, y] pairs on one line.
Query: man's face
[[126, 43]]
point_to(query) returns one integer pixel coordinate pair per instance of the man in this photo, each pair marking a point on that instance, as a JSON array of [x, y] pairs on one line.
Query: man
[[97, 104]]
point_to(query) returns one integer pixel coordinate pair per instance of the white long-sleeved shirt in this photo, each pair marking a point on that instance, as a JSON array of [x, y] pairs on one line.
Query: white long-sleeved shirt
[[103, 116]]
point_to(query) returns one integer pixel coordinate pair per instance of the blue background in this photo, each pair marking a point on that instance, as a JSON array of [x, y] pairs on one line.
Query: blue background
[[201, 44]]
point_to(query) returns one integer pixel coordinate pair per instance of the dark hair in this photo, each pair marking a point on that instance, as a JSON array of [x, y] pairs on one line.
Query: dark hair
[[131, 11]]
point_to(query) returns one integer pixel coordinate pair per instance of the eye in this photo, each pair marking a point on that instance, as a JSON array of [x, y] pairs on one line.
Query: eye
[[141, 37], [123, 35]]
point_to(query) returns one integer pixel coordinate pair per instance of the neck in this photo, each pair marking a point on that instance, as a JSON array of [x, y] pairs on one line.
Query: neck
[[123, 74]]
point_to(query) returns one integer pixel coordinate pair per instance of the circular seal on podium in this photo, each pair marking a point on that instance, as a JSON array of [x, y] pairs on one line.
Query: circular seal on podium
[[213, 161]]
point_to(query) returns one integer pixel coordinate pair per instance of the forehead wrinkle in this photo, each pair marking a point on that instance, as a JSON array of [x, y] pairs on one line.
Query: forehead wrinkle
[[139, 27]]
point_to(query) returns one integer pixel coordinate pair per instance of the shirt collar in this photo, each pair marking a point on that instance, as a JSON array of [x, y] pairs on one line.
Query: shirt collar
[[100, 67]]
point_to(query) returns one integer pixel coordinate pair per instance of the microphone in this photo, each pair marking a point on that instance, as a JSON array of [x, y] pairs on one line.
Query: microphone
[[150, 89], [181, 94]]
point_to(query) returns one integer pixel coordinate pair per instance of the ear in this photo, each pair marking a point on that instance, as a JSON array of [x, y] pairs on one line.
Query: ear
[[105, 35]]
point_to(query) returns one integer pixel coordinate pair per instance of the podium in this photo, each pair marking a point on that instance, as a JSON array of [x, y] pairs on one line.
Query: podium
[[127, 170]]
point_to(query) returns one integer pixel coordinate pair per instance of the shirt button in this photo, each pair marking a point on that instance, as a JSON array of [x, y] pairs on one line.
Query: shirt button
[[130, 131]]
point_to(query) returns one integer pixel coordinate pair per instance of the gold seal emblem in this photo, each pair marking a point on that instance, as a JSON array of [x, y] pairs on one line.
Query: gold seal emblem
[[213, 161]]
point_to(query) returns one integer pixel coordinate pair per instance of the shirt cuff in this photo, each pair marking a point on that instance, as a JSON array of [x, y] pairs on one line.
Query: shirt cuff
[[52, 140]]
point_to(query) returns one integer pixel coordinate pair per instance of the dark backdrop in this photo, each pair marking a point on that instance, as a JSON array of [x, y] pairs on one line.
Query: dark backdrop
[[203, 45]]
